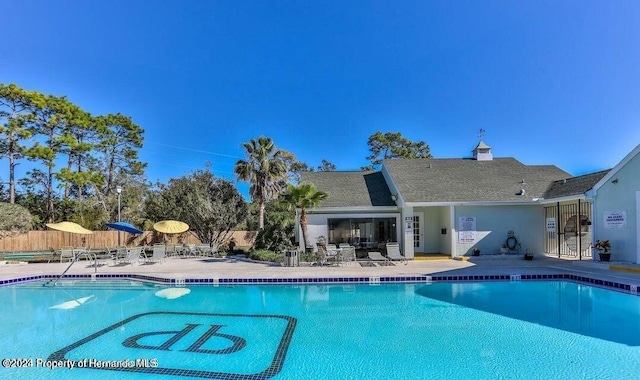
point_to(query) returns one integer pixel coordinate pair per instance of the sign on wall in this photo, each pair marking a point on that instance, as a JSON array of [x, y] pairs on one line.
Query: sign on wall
[[408, 224], [615, 219], [467, 230], [551, 224]]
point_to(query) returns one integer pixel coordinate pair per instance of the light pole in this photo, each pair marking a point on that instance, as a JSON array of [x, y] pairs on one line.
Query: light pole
[[118, 190]]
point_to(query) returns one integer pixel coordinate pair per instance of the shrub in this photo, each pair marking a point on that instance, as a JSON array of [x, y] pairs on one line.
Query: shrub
[[308, 257], [14, 220], [266, 255], [279, 226]]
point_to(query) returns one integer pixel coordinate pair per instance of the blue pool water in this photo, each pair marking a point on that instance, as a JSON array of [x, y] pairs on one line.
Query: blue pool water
[[484, 330]]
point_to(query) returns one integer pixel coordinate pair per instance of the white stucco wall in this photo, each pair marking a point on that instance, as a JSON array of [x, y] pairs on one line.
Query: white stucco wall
[[620, 196], [493, 222], [445, 222], [431, 229], [435, 219]]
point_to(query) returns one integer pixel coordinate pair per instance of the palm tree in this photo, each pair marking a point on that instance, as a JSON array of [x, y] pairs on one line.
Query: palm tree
[[303, 196], [265, 169]]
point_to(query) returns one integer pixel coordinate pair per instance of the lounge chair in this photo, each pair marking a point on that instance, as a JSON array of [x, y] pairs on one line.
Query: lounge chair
[[103, 257], [393, 252], [347, 253], [66, 253], [332, 253], [133, 256], [171, 250], [208, 251], [191, 250], [120, 254], [84, 253], [159, 254], [377, 256]]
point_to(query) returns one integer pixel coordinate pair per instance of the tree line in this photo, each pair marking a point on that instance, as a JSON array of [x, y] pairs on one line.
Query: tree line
[[81, 159], [83, 155]]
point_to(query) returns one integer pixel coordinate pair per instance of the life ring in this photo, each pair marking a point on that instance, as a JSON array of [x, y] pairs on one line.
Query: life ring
[[511, 243]]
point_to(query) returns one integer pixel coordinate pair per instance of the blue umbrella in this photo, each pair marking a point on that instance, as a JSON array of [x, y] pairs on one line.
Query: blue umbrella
[[124, 226]]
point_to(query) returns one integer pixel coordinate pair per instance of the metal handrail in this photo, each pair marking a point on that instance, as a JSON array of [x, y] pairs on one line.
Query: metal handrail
[[75, 258]]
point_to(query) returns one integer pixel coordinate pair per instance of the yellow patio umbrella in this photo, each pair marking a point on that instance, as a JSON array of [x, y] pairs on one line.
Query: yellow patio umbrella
[[74, 228], [70, 227], [171, 227]]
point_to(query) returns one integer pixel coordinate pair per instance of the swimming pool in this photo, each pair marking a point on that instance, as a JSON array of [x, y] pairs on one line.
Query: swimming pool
[[444, 330]]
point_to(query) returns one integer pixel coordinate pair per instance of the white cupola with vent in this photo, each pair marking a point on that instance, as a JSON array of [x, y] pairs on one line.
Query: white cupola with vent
[[482, 152]]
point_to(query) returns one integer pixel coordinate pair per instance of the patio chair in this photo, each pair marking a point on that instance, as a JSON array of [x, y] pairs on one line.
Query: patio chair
[[159, 254], [66, 253], [133, 256], [347, 253], [119, 254], [377, 256], [191, 250], [332, 254], [204, 250], [103, 256], [84, 253], [171, 250], [393, 252]]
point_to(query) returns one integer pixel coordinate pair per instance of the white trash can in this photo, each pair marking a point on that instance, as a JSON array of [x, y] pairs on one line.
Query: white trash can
[[291, 258]]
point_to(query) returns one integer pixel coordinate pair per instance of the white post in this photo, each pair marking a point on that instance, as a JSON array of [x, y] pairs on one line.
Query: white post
[[637, 227], [454, 231], [118, 190], [407, 232]]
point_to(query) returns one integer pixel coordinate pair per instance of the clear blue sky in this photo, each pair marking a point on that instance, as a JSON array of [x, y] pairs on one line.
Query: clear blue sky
[[551, 82]]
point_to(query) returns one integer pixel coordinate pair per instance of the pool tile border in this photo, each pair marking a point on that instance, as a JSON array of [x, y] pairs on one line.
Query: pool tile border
[[612, 285]]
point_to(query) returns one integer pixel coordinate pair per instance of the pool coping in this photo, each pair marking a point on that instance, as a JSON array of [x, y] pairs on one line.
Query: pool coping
[[372, 280]]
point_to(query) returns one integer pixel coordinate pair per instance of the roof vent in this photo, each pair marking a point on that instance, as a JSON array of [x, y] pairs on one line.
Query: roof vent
[[564, 180], [521, 192]]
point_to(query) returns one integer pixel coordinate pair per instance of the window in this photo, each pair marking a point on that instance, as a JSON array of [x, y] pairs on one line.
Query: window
[[362, 232]]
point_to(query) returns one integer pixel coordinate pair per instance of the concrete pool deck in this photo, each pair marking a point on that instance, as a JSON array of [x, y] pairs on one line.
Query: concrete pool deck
[[237, 268]]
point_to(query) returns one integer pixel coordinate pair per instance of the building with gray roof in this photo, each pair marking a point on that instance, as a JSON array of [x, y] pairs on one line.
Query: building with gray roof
[[454, 206]]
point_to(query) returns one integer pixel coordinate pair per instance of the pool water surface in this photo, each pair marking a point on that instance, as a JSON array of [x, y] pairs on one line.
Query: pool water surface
[[444, 330]]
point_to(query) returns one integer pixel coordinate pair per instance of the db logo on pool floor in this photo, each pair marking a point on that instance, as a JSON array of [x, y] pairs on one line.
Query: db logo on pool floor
[[206, 345]]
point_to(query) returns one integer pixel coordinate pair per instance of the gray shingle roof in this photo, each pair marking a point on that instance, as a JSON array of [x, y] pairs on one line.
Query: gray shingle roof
[[462, 179], [574, 185], [350, 189]]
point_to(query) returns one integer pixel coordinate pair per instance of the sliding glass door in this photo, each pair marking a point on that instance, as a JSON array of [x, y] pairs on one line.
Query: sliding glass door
[[364, 233]]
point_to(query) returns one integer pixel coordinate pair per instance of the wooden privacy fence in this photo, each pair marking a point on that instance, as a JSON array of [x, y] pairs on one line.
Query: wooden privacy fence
[[47, 240]]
